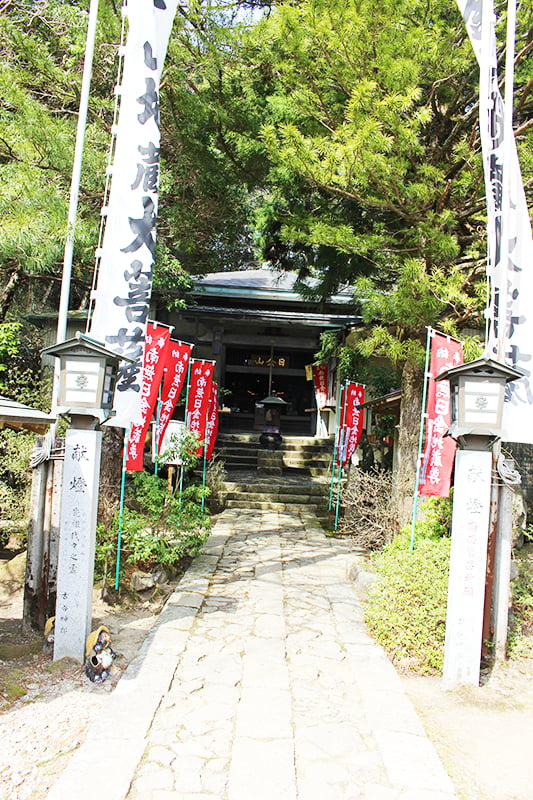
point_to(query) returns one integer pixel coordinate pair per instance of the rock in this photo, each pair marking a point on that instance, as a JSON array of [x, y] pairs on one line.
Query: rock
[[12, 575], [63, 665], [362, 579], [140, 581], [161, 576]]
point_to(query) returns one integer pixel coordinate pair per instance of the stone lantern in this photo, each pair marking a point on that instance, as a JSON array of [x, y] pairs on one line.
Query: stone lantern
[[478, 391], [87, 377]]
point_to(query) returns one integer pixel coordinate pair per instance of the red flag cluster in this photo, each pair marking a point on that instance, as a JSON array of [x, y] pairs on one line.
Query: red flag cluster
[[439, 450], [166, 365], [351, 421], [175, 374], [155, 353], [201, 378]]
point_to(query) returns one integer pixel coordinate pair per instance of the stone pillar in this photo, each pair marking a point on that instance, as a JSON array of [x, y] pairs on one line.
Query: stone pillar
[[43, 541], [502, 569], [468, 561], [77, 542]]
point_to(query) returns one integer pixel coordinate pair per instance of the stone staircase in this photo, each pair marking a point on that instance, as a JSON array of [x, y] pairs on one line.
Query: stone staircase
[[295, 478], [303, 454]]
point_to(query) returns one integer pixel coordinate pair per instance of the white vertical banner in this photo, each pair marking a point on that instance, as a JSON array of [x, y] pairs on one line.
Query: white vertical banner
[[468, 561], [510, 243], [124, 284]]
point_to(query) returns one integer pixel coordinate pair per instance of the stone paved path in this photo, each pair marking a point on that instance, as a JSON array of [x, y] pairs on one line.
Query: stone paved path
[[261, 683]]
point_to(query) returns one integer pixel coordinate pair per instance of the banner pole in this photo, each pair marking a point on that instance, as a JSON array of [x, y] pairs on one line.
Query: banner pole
[[68, 254], [156, 432], [121, 505], [339, 481], [335, 443], [204, 454], [182, 470], [508, 144], [341, 453], [420, 438]]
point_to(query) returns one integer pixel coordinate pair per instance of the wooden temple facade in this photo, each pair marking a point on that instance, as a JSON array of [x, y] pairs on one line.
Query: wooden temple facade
[[262, 334]]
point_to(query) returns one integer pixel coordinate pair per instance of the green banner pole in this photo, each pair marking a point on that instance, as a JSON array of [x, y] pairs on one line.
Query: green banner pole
[[121, 506], [182, 470], [339, 481], [156, 432], [204, 454], [335, 445]]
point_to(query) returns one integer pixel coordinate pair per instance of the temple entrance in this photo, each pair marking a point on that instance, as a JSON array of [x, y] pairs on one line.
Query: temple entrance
[[250, 376]]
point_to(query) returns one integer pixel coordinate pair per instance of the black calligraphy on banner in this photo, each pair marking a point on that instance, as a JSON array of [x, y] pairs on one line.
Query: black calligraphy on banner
[[150, 101], [149, 58], [148, 171]]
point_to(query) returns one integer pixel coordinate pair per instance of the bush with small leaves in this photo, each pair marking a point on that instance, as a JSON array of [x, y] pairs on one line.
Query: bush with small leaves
[[406, 609]]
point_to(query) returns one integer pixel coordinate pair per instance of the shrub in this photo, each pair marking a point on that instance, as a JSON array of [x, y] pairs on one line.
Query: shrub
[[519, 642], [15, 473], [215, 481], [434, 517], [368, 510], [406, 609], [158, 528]]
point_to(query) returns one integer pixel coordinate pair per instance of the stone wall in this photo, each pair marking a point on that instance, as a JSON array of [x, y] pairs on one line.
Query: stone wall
[[523, 456]]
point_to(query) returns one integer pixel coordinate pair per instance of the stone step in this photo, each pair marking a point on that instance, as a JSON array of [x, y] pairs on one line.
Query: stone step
[[254, 436], [266, 505], [293, 461], [315, 493], [325, 452], [278, 497]]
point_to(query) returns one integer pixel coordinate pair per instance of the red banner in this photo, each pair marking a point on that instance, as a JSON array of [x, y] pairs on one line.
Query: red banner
[[352, 420], [320, 377], [439, 451], [155, 350], [198, 399], [212, 421], [176, 365]]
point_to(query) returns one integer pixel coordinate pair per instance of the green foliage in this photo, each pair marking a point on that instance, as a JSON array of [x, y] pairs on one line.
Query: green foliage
[[158, 528], [41, 58], [183, 449], [15, 473], [406, 609], [519, 642], [21, 375], [434, 518], [215, 481], [379, 378], [170, 279]]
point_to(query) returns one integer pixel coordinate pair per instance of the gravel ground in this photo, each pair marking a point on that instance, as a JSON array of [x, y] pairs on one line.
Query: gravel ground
[[46, 706]]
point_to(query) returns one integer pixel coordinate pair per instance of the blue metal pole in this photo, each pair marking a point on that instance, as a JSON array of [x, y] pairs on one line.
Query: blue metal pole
[[121, 506], [335, 446]]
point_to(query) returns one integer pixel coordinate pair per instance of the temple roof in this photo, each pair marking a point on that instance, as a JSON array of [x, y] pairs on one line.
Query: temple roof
[[264, 283]]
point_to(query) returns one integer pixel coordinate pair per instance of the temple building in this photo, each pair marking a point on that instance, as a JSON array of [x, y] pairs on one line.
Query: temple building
[[262, 333]]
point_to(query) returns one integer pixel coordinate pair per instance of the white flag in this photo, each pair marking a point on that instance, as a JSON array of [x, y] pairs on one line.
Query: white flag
[[124, 287], [510, 269]]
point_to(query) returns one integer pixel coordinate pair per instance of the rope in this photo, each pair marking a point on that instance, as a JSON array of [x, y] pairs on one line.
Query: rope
[[508, 473]]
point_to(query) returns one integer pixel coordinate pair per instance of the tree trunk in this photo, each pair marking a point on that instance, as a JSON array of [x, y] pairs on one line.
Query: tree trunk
[[8, 292], [110, 474], [408, 433]]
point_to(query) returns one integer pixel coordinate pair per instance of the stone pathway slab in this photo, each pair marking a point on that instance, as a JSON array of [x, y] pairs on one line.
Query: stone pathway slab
[[260, 682]]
